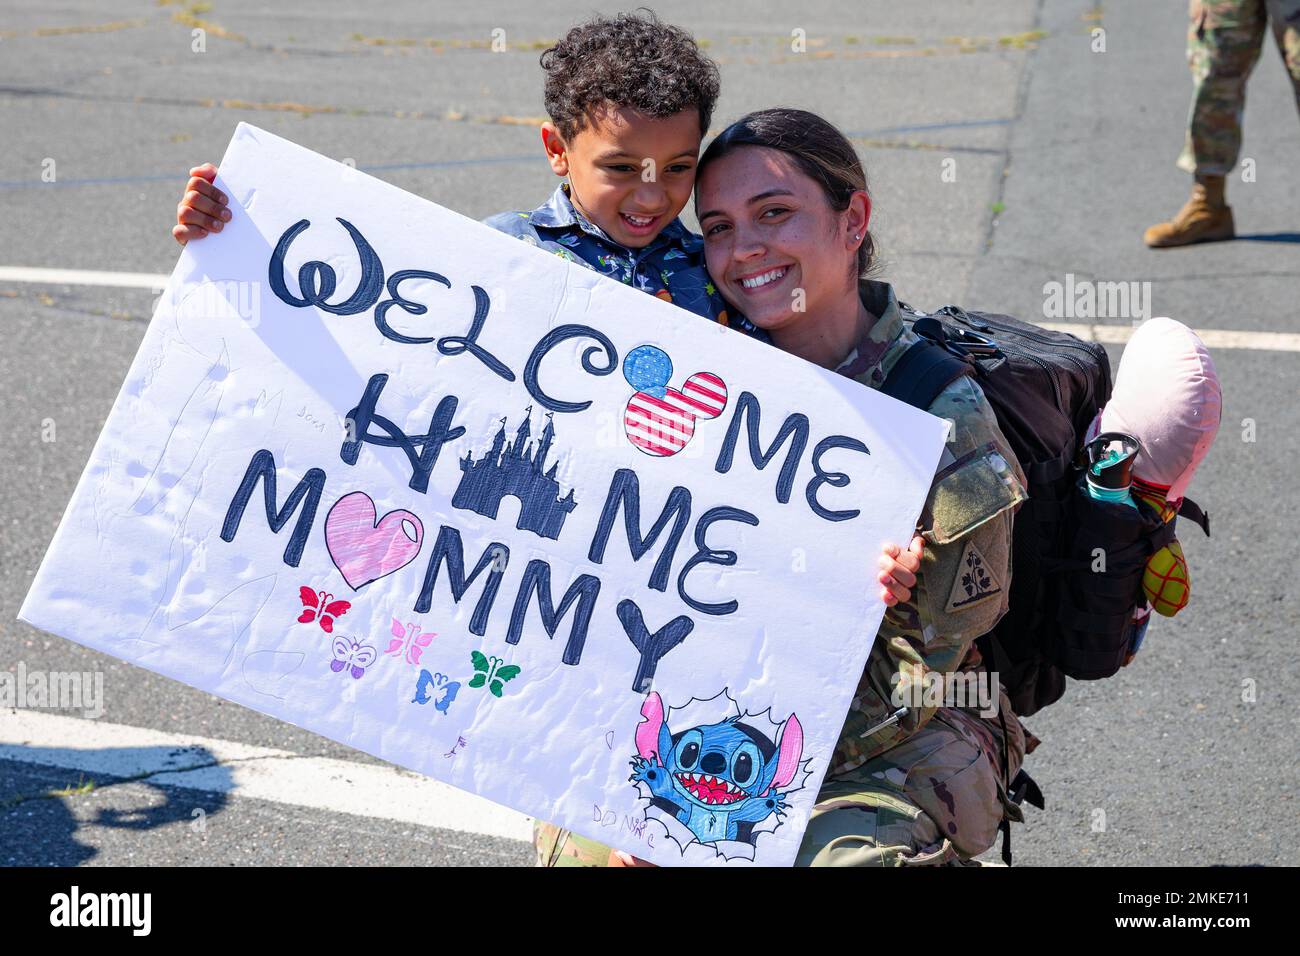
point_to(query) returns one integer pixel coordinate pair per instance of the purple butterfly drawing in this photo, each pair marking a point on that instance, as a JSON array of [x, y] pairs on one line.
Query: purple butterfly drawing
[[349, 654], [409, 641]]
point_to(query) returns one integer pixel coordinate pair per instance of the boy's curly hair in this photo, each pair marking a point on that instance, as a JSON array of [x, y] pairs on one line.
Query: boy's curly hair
[[633, 60]]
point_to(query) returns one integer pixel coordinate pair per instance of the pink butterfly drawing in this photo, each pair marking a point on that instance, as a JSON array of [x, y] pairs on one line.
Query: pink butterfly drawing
[[409, 641], [349, 654], [321, 607]]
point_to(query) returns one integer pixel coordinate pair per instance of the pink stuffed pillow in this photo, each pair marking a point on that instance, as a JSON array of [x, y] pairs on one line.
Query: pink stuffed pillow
[[1167, 395]]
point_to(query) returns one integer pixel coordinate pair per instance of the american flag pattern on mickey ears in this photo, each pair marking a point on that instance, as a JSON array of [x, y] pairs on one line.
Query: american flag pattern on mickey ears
[[662, 425]]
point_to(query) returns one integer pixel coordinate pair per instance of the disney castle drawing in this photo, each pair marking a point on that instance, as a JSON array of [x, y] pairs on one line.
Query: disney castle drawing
[[515, 468]]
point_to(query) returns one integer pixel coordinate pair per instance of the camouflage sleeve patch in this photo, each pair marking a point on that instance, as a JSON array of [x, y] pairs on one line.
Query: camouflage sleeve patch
[[974, 489], [966, 569]]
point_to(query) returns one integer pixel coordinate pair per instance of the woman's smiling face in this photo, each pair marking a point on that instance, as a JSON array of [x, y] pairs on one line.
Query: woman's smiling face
[[774, 246]]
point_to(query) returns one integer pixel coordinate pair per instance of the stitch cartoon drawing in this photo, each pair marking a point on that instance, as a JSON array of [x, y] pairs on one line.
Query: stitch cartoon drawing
[[716, 783], [659, 420]]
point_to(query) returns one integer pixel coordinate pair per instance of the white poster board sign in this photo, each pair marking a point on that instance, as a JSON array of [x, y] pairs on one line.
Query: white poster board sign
[[436, 494]]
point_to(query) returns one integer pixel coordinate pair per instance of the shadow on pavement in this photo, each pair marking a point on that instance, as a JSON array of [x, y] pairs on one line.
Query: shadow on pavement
[[45, 806], [1271, 237]]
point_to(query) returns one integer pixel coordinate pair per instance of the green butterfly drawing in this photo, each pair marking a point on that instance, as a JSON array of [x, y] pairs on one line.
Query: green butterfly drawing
[[491, 672]]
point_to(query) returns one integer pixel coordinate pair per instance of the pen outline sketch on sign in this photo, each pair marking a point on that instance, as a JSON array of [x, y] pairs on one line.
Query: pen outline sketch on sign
[[212, 386]]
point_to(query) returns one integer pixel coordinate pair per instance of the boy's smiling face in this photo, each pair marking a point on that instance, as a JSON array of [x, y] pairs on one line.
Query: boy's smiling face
[[629, 173]]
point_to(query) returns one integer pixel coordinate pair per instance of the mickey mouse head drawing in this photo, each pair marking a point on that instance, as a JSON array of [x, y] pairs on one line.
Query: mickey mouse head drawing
[[660, 420]]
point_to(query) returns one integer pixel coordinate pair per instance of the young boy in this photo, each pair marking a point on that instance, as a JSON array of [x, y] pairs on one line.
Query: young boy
[[629, 99]]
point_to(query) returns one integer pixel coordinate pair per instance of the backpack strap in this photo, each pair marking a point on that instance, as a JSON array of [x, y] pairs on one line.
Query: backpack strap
[[1021, 786], [923, 371], [1190, 510]]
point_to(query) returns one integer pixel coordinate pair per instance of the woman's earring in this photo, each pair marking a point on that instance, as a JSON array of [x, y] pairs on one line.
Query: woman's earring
[[857, 237]]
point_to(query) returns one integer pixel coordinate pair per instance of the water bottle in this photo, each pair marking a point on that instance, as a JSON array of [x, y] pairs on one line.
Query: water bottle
[[1109, 474]]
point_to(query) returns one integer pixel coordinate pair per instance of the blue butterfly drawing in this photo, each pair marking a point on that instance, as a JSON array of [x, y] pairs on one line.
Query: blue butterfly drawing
[[443, 690]]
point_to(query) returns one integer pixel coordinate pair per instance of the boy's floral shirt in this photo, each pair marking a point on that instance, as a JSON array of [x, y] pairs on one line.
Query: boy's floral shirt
[[671, 267]]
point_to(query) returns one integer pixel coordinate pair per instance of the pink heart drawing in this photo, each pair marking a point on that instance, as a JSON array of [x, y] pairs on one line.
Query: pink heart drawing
[[365, 550]]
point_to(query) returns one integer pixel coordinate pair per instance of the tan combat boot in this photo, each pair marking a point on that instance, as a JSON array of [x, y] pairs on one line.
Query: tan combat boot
[[1205, 217]]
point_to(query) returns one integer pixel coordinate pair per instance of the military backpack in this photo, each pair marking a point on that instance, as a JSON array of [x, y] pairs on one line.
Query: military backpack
[[1069, 613], [1076, 563]]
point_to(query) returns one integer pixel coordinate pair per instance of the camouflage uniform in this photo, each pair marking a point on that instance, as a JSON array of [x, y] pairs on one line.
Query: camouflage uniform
[[1223, 43], [929, 788]]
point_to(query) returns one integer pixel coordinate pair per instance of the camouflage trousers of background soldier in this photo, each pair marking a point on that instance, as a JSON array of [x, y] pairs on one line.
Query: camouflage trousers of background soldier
[[935, 799], [1224, 40]]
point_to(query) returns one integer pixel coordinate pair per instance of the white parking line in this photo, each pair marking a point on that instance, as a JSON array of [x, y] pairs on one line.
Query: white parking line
[[1213, 338], [1113, 334], [125, 280], [279, 776]]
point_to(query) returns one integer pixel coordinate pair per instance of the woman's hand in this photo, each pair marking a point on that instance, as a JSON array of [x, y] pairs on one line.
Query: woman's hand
[[203, 208], [898, 571]]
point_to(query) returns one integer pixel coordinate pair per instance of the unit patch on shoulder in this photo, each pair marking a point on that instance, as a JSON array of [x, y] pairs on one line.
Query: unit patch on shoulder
[[974, 582]]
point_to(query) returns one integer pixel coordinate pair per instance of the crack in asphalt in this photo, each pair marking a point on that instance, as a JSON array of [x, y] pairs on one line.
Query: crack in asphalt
[[1022, 97]]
